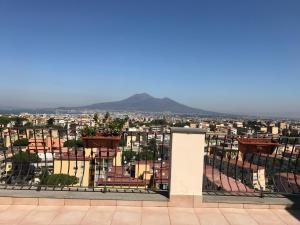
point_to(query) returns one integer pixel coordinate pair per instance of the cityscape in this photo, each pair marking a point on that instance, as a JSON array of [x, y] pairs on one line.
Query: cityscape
[[139, 160], [149, 112]]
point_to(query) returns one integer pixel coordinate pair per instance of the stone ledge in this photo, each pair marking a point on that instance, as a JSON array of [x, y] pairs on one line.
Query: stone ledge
[[187, 130], [181, 202]]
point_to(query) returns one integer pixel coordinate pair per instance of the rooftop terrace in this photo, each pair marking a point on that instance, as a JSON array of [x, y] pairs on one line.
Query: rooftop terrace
[[192, 178]]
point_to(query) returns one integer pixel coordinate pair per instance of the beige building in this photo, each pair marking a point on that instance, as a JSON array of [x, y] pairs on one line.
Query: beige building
[[88, 166], [72, 165], [193, 125], [264, 129], [282, 125], [274, 130]]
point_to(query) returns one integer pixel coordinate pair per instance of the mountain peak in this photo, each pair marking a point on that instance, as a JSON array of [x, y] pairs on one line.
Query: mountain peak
[[145, 103], [141, 96], [144, 94]]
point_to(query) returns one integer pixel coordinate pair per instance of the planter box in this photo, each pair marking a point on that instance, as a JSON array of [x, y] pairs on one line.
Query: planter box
[[257, 145], [111, 142]]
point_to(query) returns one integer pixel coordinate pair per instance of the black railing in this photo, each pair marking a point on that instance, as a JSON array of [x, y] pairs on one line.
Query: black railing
[[258, 167], [50, 159]]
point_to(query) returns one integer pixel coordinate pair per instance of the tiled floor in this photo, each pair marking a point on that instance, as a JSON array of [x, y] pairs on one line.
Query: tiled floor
[[121, 215]]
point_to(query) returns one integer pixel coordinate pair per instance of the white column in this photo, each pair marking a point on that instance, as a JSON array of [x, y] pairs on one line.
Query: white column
[[187, 160]]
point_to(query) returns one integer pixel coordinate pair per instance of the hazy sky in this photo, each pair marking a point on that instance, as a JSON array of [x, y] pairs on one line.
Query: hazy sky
[[226, 56]]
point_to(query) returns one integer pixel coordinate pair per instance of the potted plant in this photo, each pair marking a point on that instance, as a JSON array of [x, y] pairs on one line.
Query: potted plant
[[105, 134], [257, 145]]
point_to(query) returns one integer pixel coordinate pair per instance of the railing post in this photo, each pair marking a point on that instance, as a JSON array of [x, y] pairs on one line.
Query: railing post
[[186, 165]]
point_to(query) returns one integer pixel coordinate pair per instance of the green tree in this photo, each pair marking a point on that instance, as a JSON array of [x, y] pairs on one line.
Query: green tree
[[18, 122], [5, 120], [129, 155], [106, 117], [50, 122], [25, 158], [122, 143], [59, 180], [22, 168], [159, 122], [96, 118], [149, 152], [74, 143], [21, 142]]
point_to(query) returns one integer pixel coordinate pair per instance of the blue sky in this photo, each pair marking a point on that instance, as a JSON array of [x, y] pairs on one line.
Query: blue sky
[[226, 56]]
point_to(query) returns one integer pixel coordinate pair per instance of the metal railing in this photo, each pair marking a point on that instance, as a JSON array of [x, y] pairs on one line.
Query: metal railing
[[50, 159], [231, 169]]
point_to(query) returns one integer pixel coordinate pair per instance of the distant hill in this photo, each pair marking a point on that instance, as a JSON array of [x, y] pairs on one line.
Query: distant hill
[[143, 103]]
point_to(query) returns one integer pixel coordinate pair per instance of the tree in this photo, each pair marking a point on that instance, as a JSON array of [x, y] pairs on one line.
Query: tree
[[50, 122], [60, 180], [29, 124], [106, 117], [25, 158], [212, 127], [5, 120], [128, 155], [22, 170], [21, 142], [122, 143], [96, 118], [18, 122], [180, 124], [159, 122], [149, 152], [74, 144]]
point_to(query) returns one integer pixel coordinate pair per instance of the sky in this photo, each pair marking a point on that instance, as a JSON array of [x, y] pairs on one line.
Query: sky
[[225, 56]]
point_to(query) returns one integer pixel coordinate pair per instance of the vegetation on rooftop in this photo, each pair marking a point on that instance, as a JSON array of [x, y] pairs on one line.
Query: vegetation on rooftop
[[74, 144], [21, 142], [59, 180], [25, 158], [105, 127]]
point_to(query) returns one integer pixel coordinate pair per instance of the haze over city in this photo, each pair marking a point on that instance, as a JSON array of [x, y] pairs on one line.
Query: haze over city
[[242, 57]]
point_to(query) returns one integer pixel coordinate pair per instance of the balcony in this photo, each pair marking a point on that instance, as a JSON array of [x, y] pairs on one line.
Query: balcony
[[166, 174]]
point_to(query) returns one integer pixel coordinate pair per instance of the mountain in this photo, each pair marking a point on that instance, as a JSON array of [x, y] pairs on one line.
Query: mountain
[[143, 103]]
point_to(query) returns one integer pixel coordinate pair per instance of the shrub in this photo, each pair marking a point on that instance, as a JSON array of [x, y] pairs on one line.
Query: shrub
[[25, 158], [73, 144], [59, 180], [21, 142]]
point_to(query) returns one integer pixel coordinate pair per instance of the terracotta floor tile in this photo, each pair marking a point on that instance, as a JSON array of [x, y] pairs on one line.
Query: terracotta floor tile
[[265, 217], [238, 216], [42, 215], [183, 216], [99, 215], [15, 213], [127, 216], [3, 207], [70, 215], [155, 215], [210, 216], [289, 217]]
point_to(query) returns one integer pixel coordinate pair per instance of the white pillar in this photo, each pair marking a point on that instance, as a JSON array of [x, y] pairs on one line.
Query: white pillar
[[187, 160]]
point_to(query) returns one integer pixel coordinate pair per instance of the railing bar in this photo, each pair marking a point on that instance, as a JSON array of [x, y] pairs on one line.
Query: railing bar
[[138, 159], [20, 152], [221, 163], [36, 152], [281, 163], [45, 172], [60, 153], [68, 153]]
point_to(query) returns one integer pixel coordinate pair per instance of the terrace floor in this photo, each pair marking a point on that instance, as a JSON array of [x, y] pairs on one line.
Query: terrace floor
[[119, 215]]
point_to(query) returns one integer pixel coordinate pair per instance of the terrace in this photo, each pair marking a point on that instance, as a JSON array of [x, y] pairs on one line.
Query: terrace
[[181, 177]]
